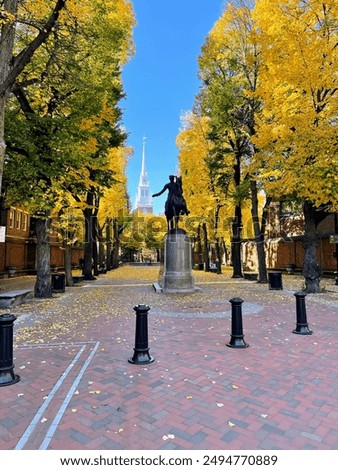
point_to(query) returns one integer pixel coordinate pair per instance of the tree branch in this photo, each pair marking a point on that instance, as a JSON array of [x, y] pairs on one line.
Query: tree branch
[[18, 150], [23, 102], [24, 57]]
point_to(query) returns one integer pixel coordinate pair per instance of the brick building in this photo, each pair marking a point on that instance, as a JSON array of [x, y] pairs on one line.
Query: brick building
[[284, 237], [18, 244]]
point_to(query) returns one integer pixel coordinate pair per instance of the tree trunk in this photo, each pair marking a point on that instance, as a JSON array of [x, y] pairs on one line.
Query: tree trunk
[[236, 240], [102, 249], [67, 234], [95, 254], [6, 55], [218, 256], [68, 263], [206, 248], [88, 250], [95, 259], [116, 245], [311, 268], [259, 235], [43, 285], [108, 244], [225, 251], [199, 248], [217, 243], [2, 137]]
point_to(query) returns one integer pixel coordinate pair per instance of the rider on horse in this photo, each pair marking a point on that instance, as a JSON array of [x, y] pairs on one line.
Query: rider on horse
[[175, 204]]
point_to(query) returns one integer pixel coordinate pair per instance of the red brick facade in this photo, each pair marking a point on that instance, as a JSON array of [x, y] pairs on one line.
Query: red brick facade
[[18, 245], [284, 242]]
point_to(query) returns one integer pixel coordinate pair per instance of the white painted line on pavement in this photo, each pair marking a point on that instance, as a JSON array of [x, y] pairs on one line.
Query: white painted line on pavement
[[26, 435], [53, 427]]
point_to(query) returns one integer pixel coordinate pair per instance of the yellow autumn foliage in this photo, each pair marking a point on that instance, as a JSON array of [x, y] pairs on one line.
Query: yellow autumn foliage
[[203, 197], [297, 128], [114, 200], [193, 150]]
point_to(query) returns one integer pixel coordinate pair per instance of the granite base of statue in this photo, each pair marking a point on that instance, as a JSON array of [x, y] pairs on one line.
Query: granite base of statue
[[176, 273]]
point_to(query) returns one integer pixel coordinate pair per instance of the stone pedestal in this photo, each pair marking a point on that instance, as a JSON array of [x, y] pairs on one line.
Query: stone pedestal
[[176, 275]]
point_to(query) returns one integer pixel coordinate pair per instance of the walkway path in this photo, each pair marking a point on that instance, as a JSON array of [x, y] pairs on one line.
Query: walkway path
[[78, 390]]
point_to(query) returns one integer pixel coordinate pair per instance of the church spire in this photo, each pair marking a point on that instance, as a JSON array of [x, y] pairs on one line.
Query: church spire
[[143, 170], [144, 201]]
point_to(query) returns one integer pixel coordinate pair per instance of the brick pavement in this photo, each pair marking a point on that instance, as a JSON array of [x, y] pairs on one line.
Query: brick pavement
[[78, 390]]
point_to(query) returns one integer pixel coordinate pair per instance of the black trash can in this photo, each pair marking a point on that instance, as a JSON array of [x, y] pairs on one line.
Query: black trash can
[[58, 282], [275, 280]]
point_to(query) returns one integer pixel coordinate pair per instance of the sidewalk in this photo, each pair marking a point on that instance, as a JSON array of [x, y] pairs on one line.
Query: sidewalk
[[78, 390]]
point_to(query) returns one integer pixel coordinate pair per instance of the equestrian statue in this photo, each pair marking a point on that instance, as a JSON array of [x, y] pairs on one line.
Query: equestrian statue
[[175, 204]]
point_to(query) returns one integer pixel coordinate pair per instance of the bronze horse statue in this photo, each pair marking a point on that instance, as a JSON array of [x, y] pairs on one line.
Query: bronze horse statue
[[175, 204]]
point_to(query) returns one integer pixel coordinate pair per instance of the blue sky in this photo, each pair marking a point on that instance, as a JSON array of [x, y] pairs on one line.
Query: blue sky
[[161, 81]]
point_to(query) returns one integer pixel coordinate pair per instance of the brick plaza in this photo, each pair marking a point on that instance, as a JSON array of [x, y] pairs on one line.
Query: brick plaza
[[78, 390]]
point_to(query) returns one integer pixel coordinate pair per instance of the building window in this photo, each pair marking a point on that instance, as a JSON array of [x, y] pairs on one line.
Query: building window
[[18, 220], [24, 222], [11, 218]]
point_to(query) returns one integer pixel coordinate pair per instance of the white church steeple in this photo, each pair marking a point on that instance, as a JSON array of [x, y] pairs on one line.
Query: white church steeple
[[144, 201]]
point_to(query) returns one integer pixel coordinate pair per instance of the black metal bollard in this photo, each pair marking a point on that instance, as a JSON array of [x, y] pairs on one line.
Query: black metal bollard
[[7, 376], [141, 350], [237, 337], [302, 327]]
